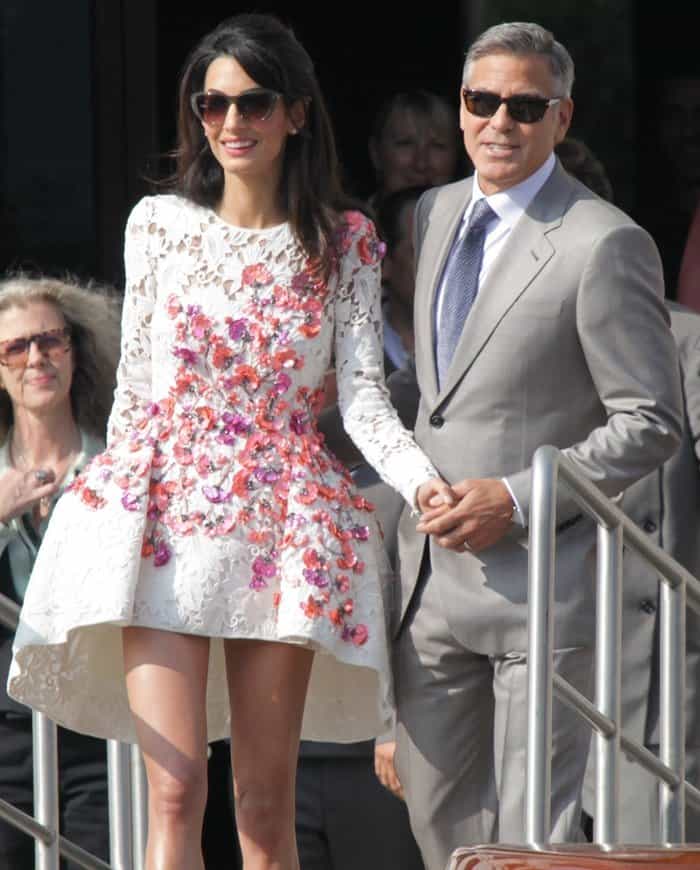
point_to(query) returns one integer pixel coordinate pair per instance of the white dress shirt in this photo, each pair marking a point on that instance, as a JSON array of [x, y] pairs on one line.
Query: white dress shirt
[[509, 206]]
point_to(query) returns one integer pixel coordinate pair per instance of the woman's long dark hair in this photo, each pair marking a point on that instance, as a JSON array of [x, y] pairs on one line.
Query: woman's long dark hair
[[271, 55]]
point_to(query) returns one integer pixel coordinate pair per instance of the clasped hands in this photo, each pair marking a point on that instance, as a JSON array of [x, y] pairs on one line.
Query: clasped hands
[[472, 514]]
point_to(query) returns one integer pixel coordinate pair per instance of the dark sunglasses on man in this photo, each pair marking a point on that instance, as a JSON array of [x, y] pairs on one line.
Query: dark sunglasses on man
[[14, 353], [211, 107], [523, 108]]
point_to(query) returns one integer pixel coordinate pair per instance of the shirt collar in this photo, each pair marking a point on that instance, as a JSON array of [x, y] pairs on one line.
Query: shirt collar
[[510, 204]]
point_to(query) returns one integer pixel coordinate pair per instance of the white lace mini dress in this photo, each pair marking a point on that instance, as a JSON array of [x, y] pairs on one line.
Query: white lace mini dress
[[216, 510]]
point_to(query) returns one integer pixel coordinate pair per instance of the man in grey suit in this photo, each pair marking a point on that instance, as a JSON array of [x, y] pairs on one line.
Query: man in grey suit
[[666, 504], [567, 343]]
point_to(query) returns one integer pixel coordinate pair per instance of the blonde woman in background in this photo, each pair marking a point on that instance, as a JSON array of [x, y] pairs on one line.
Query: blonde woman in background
[[59, 344]]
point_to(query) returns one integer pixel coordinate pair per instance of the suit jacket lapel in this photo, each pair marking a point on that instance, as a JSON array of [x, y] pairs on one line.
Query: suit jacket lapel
[[525, 253], [440, 226]]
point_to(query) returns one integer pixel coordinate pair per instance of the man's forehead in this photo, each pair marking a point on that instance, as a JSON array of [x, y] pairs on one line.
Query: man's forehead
[[515, 64]]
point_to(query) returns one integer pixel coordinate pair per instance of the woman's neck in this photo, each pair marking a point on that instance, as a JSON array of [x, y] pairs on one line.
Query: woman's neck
[[253, 203], [44, 439]]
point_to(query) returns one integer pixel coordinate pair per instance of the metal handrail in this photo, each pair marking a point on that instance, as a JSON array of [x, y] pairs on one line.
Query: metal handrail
[[549, 467], [127, 796]]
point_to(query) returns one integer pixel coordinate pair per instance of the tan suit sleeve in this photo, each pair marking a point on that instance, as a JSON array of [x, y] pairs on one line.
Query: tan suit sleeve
[[623, 328]]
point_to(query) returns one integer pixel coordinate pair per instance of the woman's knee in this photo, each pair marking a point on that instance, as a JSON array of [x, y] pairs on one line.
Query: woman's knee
[[264, 810], [178, 795]]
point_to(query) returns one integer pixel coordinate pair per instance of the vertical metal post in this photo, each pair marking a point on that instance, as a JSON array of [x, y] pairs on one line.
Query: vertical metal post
[[672, 701], [44, 737], [608, 680], [139, 808], [119, 770], [540, 644]]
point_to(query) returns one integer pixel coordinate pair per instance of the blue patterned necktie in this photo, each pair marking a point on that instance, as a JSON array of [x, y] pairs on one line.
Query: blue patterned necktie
[[460, 284]]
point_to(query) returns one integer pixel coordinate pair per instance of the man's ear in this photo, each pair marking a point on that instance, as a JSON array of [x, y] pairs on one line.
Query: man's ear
[[565, 111]]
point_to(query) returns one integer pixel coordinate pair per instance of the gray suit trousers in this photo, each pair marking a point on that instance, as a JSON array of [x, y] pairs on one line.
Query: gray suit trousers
[[462, 736]]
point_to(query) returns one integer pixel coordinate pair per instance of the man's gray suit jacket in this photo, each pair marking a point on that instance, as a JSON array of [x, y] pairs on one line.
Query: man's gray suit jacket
[[568, 343]]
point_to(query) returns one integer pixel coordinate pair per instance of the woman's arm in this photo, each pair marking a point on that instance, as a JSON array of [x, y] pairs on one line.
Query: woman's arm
[[133, 390], [368, 415]]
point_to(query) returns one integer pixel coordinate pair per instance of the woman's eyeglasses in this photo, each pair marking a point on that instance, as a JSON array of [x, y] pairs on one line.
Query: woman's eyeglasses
[[53, 343], [523, 109], [256, 104]]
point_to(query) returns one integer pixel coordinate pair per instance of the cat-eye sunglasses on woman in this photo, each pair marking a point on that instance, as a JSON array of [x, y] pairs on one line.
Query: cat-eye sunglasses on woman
[[257, 104]]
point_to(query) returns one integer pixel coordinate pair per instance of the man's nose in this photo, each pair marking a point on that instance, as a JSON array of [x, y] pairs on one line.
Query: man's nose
[[501, 120]]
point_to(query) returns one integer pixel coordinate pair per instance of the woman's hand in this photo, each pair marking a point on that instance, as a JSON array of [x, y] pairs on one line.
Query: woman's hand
[[434, 495], [22, 491]]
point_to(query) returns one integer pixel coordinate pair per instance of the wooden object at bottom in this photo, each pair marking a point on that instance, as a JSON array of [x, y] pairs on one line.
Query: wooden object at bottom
[[575, 857]]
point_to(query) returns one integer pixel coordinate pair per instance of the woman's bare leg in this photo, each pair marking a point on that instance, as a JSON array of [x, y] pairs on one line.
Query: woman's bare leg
[[267, 687], [166, 677]]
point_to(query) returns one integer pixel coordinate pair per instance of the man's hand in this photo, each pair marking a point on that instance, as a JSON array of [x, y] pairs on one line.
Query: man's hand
[[481, 517], [384, 767]]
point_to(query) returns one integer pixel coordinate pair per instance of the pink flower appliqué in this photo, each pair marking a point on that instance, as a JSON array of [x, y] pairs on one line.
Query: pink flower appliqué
[[359, 635], [297, 422], [161, 555], [215, 494], [186, 355], [282, 383], [263, 570], [257, 275], [130, 502], [237, 329]]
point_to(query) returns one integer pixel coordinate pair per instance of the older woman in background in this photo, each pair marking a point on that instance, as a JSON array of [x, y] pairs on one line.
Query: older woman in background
[[414, 141], [59, 345]]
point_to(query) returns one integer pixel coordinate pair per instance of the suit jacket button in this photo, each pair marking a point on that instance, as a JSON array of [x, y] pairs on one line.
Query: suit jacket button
[[649, 526], [647, 605], [437, 420]]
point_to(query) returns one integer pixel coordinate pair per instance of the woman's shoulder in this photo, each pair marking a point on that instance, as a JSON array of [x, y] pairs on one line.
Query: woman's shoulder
[[162, 209], [164, 222], [355, 221], [358, 235]]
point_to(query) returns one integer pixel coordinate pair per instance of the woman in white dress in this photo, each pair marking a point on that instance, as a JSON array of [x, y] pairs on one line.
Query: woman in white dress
[[215, 560]]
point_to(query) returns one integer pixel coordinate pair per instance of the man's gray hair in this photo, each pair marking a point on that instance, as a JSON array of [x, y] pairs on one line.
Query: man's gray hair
[[524, 38]]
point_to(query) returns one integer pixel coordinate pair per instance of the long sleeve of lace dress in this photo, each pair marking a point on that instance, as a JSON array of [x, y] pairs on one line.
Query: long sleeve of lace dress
[[368, 415], [133, 390]]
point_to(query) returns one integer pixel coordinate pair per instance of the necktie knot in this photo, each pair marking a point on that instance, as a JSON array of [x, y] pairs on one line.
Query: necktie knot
[[482, 214]]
